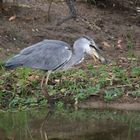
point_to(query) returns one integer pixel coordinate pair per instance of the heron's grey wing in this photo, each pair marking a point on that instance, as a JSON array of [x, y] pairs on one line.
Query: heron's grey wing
[[48, 58], [19, 59], [46, 55], [31, 48]]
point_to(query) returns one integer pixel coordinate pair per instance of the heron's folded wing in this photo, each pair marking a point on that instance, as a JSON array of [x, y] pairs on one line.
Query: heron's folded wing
[[48, 58], [45, 55], [45, 42], [31, 48]]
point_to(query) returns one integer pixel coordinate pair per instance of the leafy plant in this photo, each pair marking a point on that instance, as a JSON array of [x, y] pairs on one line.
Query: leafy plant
[[135, 93], [113, 93], [135, 71]]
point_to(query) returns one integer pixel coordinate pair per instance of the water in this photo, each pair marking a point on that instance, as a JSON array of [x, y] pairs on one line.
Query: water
[[43, 124]]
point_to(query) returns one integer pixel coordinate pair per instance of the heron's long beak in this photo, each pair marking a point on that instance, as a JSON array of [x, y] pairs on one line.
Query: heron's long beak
[[97, 54]]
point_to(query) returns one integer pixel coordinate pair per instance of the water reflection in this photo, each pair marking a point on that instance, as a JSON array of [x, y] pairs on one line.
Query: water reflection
[[43, 124]]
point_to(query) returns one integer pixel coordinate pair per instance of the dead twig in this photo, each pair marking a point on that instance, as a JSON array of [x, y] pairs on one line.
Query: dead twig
[[49, 9]]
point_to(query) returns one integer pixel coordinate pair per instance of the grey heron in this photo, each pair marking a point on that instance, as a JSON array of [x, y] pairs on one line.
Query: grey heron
[[55, 55]]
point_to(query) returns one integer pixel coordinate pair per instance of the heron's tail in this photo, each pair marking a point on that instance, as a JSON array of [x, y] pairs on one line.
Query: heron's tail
[[14, 62]]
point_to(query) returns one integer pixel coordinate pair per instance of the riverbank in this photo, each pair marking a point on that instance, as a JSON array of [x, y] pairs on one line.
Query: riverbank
[[116, 31]]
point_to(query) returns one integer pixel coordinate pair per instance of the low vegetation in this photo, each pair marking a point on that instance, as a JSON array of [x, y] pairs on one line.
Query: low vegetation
[[20, 88]]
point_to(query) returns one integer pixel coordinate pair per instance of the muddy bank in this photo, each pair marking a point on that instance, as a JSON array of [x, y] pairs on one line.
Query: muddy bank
[[102, 105]]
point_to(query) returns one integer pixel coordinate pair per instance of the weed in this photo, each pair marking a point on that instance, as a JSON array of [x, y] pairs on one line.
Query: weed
[[135, 93], [59, 104], [113, 93], [135, 71], [120, 75]]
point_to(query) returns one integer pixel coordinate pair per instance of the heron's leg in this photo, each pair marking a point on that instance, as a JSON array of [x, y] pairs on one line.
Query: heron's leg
[[42, 81], [43, 88], [47, 78]]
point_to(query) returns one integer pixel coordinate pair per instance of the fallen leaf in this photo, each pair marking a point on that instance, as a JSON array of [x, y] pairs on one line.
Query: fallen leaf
[[37, 77], [31, 78], [105, 44], [12, 18], [24, 5], [119, 44]]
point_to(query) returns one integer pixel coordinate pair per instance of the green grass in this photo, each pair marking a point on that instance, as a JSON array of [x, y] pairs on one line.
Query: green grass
[[20, 88], [135, 72], [111, 94]]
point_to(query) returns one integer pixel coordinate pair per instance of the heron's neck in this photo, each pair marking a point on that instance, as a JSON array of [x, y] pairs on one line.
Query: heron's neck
[[78, 52], [79, 47], [77, 55], [76, 58]]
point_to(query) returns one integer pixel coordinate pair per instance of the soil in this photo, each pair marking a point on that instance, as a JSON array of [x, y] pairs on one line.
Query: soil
[[29, 22]]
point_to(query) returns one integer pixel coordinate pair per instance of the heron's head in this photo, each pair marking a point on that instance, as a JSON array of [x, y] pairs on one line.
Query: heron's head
[[92, 49]]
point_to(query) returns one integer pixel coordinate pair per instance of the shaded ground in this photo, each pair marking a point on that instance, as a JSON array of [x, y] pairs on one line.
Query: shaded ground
[[116, 31]]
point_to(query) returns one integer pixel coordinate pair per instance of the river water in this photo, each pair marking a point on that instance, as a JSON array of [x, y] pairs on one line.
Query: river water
[[70, 124]]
